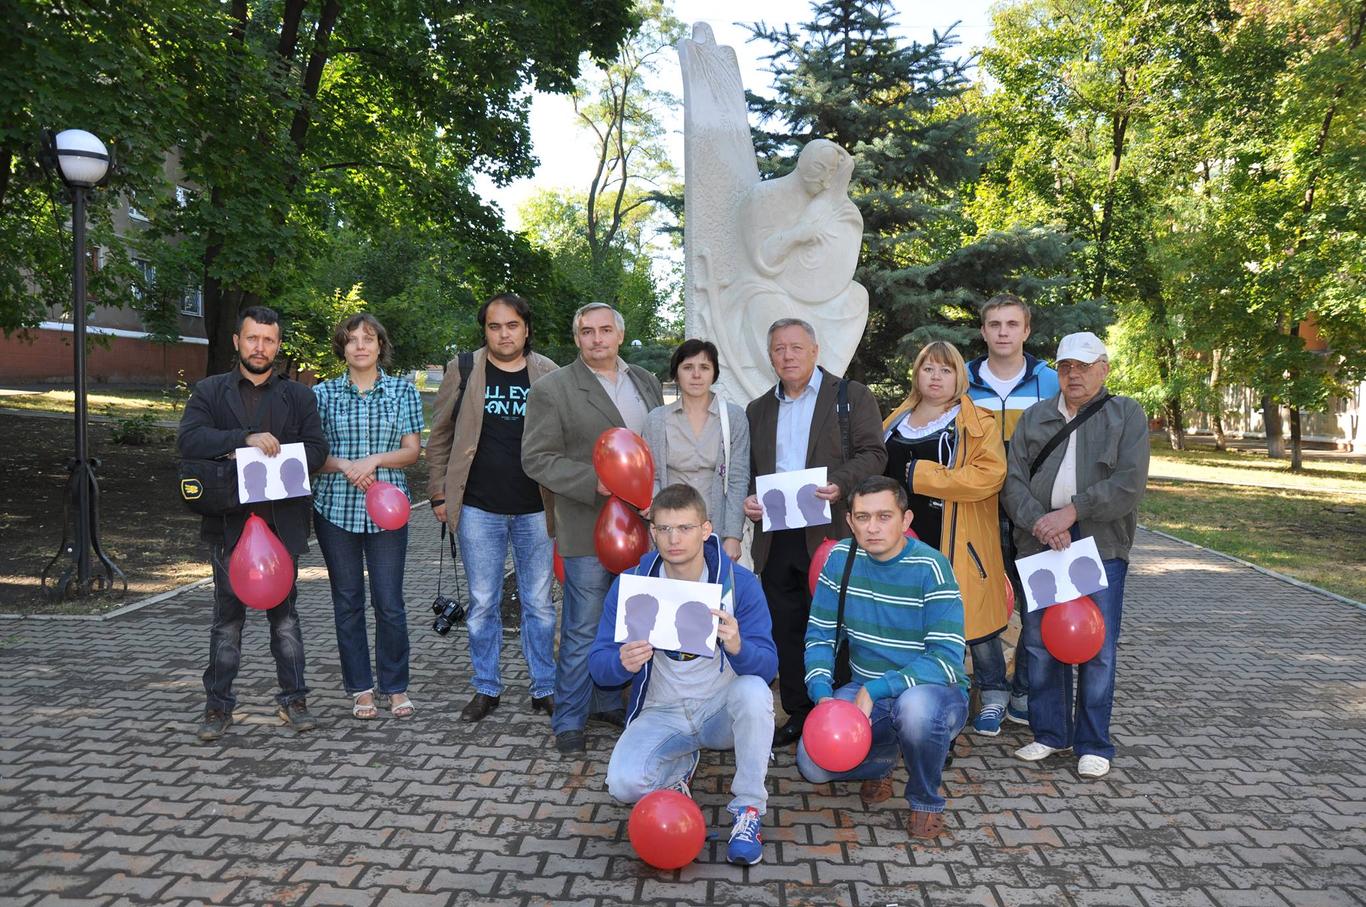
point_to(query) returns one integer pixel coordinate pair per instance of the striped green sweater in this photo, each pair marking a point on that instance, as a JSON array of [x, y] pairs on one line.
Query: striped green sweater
[[904, 619]]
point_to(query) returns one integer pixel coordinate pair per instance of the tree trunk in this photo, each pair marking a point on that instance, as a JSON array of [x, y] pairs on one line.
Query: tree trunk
[[1176, 421], [1271, 421], [1296, 447], [1217, 408]]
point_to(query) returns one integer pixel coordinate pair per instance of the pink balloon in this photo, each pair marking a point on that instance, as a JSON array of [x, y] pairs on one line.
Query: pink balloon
[[387, 505], [837, 735], [260, 570]]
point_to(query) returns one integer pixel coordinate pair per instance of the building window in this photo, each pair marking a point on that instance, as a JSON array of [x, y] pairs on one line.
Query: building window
[[192, 303], [183, 195], [137, 215], [147, 278]]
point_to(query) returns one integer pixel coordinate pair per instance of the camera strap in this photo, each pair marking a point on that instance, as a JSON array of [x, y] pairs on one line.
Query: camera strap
[[440, 561]]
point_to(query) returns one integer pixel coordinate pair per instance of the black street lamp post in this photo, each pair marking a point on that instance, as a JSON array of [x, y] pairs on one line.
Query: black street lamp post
[[82, 162]]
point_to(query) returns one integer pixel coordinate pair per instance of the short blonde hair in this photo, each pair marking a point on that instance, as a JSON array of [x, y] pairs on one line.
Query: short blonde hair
[[943, 353]]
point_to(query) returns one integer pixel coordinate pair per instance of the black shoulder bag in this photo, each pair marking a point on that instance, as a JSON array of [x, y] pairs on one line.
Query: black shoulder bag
[[843, 673], [1063, 433]]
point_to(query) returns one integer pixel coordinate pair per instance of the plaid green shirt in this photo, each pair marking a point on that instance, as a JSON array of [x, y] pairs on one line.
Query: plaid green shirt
[[357, 425]]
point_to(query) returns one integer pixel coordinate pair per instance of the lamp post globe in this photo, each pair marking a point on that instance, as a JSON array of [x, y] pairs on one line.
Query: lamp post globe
[[82, 159]]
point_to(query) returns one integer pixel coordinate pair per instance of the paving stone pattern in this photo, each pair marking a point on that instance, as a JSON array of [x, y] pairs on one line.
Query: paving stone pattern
[[1240, 722]]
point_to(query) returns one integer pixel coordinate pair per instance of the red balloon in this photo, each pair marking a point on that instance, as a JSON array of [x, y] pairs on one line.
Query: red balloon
[[260, 570], [619, 536], [666, 829], [559, 563], [813, 573], [622, 461], [837, 735], [387, 505], [1073, 631]]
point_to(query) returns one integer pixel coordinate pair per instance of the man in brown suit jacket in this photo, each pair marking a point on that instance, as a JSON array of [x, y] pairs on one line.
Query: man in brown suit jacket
[[566, 412], [795, 426]]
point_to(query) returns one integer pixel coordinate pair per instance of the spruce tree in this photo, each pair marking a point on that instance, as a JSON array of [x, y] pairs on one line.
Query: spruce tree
[[898, 108]]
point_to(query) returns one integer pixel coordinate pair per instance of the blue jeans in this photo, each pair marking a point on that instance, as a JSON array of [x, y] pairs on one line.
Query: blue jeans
[[921, 724], [1051, 712], [348, 555], [657, 748], [586, 582], [225, 640], [989, 671], [484, 539]]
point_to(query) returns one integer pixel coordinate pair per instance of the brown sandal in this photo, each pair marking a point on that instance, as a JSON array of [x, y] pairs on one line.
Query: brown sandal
[[925, 826]]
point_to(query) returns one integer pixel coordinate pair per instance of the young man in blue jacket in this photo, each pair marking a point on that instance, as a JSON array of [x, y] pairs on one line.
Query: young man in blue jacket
[[680, 703], [1007, 381]]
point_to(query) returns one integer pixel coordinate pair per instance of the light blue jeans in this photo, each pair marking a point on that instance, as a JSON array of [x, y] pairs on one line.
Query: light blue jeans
[[484, 539], [586, 583], [919, 725], [657, 748]]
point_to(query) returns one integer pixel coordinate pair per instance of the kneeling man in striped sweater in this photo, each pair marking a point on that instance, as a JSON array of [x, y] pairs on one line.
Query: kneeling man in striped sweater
[[897, 603]]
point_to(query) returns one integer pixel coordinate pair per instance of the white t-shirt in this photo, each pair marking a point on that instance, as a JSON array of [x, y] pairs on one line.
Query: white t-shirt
[[1065, 485], [1002, 386]]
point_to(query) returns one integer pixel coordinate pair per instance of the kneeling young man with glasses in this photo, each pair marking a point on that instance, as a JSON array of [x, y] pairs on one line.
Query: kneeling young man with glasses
[[680, 703]]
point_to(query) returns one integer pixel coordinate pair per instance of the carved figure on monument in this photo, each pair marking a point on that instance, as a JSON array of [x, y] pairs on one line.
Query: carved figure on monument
[[759, 250]]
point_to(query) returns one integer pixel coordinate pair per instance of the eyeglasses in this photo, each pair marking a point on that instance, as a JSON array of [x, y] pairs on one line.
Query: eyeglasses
[[1071, 365], [681, 529]]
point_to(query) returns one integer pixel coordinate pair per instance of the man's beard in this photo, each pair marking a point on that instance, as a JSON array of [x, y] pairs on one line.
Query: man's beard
[[256, 369]]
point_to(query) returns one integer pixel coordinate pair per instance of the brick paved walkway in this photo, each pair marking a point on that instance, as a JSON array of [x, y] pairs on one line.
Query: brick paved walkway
[[1241, 726]]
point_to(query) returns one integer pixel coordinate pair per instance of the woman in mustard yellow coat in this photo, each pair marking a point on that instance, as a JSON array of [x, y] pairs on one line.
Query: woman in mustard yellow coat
[[948, 453]]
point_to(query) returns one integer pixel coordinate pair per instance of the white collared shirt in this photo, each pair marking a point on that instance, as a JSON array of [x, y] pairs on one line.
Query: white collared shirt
[[794, 423], [1065, 485]]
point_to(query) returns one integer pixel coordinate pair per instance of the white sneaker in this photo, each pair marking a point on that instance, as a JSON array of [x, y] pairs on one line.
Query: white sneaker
[[1033, 752], [1093, 766]]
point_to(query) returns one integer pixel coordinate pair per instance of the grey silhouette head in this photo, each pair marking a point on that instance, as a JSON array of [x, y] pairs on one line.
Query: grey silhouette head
[[693, 623], [1044, 585], [1085, 575], [812, 507], [254, 477], [640, 612], [775, 505], [292, 475]]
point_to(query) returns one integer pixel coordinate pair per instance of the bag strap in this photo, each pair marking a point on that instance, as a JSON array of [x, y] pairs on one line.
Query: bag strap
[[1087, 412], [842, 409], [725, 436], [465, 363], [844, 590]]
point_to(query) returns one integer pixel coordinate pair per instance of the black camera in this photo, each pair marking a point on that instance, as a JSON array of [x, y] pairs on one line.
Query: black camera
[[448, 612]]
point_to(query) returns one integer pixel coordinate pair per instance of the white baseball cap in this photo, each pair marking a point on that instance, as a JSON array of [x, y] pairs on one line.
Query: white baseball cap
[[1083, 347]]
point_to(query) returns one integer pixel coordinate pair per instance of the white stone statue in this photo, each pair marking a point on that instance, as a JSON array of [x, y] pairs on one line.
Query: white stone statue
[[756, 251]]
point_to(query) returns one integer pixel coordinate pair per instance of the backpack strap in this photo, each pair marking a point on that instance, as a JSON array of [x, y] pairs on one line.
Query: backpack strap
[[725, 436], [1087, 412], [465, 363], [844, 590]]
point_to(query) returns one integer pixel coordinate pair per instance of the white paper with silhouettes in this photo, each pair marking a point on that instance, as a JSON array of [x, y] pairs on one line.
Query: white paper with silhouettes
[[789, 499], [674, 615], [1052, 576], [262, 478]]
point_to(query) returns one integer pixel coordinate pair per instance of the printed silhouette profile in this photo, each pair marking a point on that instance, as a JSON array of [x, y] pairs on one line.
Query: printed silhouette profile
[[812, 507], [692, 620], [1085, 575], [1044, 586], [640, 613], [775, 508], [254, 478], [293, 476]]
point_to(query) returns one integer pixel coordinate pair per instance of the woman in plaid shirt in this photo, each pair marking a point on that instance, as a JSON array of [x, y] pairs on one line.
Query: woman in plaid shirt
[[373, 425]]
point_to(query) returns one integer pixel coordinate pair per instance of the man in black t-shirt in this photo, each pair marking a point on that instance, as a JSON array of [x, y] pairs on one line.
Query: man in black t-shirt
[[479, 490]]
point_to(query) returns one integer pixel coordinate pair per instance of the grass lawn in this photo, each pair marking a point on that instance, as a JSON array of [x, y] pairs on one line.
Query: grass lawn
[[1250, 467], [122, 402]]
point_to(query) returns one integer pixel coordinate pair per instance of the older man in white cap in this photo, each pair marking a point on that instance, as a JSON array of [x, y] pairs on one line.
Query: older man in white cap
[[1078, 467]]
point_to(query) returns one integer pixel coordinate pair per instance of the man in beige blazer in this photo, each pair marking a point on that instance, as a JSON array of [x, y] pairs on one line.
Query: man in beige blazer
[[479, 490], [795, 425], [566, 412]]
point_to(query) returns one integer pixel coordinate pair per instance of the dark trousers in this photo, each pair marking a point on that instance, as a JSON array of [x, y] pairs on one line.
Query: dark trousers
[[789, 604], [1019, 685], [225, 640]]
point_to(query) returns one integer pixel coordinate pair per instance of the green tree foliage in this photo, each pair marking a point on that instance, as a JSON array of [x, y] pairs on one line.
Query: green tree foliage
[[899, 109]]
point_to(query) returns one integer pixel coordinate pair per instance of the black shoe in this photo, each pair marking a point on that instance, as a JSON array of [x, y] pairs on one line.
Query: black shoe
[[543, 704], [297, 716], [478, 707], [789, 733], [614, 717], [215, 725], [570, 742]]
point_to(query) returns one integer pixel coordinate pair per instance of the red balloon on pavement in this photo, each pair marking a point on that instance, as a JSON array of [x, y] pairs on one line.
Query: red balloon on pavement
[[1073, 631], [666, 829], [619, 536], [559, 563], [387, 505], [260, 570], [622, 461], [837, 735]]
